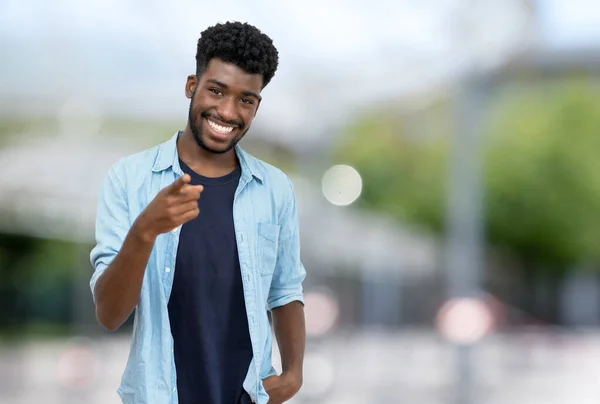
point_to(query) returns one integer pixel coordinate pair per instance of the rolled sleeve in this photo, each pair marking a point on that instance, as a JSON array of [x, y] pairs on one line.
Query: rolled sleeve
[[112, 225], [289, 274]]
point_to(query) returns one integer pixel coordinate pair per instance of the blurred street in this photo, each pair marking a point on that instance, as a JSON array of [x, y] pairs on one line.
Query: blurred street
[[353, 368]]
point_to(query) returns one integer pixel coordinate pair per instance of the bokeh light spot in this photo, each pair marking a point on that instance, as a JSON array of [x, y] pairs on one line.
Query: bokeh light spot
[[341, 185]]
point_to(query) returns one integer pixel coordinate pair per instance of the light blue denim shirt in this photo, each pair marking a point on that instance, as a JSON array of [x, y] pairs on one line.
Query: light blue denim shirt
[[266, 228]]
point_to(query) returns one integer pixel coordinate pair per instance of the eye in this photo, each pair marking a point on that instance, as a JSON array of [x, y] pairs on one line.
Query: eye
[[215, 91], [247, 101]]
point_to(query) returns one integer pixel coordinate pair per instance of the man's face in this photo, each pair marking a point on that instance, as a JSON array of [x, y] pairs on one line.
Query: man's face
[[224, 101]]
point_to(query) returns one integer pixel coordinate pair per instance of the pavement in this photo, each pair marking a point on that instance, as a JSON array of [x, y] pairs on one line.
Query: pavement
[[411, 366]]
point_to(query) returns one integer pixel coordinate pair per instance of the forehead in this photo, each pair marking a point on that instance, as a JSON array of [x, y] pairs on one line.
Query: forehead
[[231, 75]]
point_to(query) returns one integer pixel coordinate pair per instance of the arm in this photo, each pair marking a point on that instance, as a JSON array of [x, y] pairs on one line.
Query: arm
[[290, 333], [121, 253], [286, 302], [119, 257], [117, 290]]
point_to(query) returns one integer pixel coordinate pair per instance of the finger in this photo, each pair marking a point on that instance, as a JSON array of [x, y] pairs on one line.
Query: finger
[[184, 214], [179, 183], [191, 192], [184, 207], [189, 215]]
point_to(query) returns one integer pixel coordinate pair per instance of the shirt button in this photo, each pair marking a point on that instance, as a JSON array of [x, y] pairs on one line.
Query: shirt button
[[174, 230], [174, 389], [167, 270]]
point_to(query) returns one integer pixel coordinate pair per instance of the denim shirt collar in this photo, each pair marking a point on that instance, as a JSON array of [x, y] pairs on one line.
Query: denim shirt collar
[[168, 158]]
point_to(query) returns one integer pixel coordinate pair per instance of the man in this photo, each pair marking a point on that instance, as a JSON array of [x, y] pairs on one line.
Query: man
[[201, 239]]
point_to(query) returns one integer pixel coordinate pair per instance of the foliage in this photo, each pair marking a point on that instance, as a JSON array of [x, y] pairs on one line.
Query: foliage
[[543, 174], [402, 175], [541, 171]]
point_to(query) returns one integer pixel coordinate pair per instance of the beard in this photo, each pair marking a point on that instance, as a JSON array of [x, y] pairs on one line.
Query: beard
[[199, 135]]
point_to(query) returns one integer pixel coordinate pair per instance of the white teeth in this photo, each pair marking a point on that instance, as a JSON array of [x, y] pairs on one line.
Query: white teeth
[[219, 128]]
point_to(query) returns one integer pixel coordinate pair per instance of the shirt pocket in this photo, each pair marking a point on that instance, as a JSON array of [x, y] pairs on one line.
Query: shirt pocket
[[267, 246]]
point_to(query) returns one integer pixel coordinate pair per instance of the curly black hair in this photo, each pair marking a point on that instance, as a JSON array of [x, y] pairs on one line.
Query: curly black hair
[[240, 44]]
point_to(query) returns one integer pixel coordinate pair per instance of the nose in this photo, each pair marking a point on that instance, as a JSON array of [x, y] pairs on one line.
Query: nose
[[227, 109]]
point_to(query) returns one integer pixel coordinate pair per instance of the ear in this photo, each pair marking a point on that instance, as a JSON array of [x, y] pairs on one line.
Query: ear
[[190, 85]]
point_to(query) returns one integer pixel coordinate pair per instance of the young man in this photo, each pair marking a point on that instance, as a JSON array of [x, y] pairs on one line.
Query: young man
[[201, 239]]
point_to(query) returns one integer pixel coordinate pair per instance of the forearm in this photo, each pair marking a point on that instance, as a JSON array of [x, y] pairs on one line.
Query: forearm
[[290, 332], [117, 290]]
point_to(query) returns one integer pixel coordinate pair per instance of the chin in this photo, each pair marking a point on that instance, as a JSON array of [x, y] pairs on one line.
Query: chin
[[220, 150], [216, 147]]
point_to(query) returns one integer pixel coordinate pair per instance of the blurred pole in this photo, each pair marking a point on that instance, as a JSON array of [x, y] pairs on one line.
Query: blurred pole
[[464, 217]]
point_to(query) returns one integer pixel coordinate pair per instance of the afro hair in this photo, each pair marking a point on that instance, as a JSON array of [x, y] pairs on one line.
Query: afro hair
[[240, 44]]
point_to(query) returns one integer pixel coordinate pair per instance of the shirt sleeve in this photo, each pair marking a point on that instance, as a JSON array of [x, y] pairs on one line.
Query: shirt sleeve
[[112, 225], [286, 285]]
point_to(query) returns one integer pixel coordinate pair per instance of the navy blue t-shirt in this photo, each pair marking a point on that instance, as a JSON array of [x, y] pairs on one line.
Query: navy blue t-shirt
[[206, 310]]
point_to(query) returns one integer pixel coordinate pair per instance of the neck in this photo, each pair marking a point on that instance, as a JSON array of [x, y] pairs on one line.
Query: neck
[[202, 161]]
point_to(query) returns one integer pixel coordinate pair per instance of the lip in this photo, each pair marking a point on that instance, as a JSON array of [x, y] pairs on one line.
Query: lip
[[216, 134]]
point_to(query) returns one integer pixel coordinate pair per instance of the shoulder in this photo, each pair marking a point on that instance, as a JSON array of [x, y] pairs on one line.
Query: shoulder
[[278, 182], [133, 169], [142, 159]]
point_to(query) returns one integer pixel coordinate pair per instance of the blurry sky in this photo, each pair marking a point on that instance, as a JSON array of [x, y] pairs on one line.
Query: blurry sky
[[570, 23], [132, 56]]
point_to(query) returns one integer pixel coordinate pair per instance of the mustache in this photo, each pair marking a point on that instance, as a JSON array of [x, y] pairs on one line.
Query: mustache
[[217, 118]]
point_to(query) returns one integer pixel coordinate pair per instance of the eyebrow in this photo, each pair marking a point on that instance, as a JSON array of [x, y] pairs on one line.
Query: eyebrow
[[225, 86]]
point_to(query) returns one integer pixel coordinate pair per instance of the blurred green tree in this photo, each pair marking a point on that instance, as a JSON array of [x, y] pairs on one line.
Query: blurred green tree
[[543, 175], [541, 170]]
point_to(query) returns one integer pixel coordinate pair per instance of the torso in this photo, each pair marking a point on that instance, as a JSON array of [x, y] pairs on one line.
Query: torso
[[207, 311]]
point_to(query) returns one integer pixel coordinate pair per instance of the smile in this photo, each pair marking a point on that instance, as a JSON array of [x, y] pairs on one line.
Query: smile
[[219, 128]]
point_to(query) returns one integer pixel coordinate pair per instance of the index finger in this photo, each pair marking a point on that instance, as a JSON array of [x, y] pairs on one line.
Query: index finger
[[180, 182]]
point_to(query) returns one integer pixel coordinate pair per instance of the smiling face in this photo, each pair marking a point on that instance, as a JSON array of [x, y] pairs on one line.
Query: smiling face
[[224, 101]]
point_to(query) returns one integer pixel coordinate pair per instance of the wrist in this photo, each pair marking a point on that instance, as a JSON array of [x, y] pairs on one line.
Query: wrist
[[142, 232], [293, 378]]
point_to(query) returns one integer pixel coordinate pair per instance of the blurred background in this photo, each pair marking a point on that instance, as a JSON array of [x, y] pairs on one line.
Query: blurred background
[[445, 159]]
